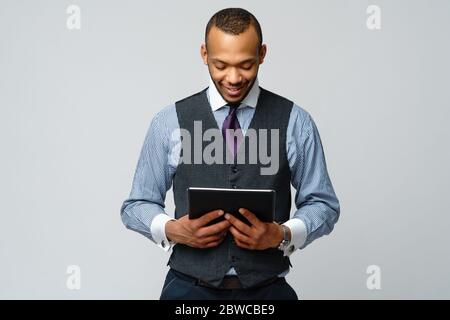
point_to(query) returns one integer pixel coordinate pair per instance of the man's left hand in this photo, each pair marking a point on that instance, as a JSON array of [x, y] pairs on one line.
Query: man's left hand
[[258, 236]]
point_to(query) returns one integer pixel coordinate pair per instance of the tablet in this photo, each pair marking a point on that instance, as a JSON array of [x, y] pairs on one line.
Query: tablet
[[259, 201]]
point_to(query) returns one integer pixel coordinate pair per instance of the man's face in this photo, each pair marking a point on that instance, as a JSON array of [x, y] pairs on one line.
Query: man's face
[[233, 61]]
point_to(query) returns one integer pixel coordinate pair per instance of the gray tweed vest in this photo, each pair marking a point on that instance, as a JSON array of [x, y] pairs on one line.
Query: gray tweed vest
[[252, 266]]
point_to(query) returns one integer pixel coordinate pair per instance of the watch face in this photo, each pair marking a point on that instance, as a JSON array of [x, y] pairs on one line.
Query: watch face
[[283, 245], [285, 234], [285, 242]]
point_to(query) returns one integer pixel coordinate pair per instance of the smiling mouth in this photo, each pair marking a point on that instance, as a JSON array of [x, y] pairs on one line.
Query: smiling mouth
[[233, 92]]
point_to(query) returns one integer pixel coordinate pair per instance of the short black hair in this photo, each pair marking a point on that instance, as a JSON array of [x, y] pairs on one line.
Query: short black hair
[[234, 21]]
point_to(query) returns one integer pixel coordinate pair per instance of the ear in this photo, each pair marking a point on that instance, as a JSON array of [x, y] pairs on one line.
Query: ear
[[262, 53], [204, 54]]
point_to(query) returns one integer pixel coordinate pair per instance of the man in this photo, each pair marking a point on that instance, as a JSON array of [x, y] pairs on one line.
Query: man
[[230, 259]]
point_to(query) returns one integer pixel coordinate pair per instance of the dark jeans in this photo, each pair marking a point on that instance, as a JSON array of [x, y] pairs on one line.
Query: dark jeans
[[181, 287]]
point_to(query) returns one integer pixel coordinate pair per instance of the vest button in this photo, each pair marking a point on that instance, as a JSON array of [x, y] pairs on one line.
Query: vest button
[[235, 169], [234, 186]]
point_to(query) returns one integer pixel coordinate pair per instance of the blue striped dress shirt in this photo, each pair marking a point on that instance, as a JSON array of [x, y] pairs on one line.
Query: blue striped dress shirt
[[317, 207]]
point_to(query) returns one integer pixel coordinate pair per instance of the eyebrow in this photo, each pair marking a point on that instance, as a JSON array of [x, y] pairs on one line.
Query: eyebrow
[[242, 62]]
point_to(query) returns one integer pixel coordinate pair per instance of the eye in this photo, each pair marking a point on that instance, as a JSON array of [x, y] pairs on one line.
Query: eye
[[247, 66], [220, 67]]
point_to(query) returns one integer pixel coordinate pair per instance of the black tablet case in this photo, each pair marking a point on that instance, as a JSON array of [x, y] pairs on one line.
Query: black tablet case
[[204, 200]]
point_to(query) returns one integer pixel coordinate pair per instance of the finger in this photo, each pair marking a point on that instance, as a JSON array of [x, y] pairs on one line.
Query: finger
[[244, 245], [213, 229], [239, 235], [241, 226], [208, 217], [214, 243], [209, 239], [250, 216]]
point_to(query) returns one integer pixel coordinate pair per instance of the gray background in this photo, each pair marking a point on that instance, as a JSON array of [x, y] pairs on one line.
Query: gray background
[[75, 107]]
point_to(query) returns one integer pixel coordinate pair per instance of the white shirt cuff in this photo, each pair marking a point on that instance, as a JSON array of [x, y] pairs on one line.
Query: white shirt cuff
[[298, 235], [158, 230]]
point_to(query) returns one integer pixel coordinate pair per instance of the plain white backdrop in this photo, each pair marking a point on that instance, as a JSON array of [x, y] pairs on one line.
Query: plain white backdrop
[[75, 106]]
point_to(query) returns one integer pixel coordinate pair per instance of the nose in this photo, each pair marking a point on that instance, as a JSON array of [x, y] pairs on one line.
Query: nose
[[233, 77]]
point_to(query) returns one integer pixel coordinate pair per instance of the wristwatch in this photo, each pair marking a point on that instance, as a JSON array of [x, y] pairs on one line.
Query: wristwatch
[[285, 242]]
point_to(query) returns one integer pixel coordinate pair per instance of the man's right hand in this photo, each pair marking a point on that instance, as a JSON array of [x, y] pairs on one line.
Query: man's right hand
[[195, 233]]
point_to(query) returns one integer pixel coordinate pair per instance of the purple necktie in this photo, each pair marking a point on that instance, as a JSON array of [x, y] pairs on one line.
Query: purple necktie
[[231, 122]]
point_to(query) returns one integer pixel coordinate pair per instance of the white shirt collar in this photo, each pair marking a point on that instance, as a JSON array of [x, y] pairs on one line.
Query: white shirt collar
[[216, 101]]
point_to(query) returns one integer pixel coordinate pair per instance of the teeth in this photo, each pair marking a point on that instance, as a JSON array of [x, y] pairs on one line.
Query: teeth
[[234, 90]]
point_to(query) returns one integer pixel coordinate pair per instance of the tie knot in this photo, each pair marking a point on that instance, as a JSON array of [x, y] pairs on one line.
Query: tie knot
[[233, 107]]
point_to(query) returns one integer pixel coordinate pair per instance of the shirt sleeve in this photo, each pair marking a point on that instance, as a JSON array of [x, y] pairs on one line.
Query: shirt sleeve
[[143, 211], [317, 206], [298, 235], [158, 230]]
